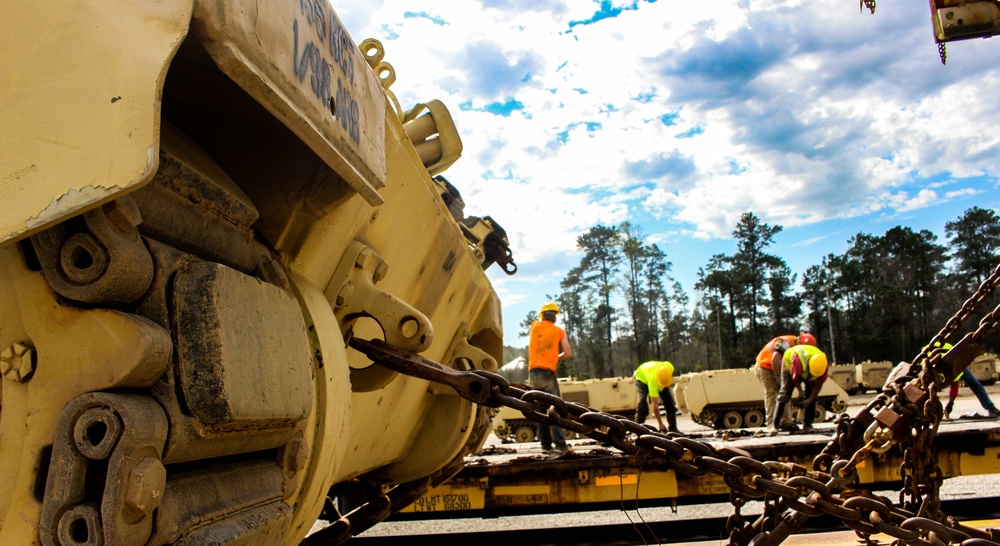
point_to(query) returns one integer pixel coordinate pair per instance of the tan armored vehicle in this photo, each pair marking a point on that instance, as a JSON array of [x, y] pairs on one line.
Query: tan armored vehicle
[[727, 399], [615, 395], [203, 202], [845, 375], [984, 367], [872, 375], [858, 378]]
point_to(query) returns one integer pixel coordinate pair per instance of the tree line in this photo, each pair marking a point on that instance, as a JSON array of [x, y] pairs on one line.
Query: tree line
[[882, 299]]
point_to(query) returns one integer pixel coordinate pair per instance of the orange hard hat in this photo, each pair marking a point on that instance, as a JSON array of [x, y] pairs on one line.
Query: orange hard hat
[[805, 338]]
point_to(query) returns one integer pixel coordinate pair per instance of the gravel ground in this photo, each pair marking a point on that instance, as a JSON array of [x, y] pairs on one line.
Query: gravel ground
[[954, 488]]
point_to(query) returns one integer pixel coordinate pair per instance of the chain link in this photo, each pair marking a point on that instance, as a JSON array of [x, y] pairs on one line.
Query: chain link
[[791, 492], [922, 476], [806, 492]]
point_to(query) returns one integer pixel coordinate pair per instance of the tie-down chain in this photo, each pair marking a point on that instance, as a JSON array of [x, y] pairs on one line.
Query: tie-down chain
[[907, 413], [798, 493]]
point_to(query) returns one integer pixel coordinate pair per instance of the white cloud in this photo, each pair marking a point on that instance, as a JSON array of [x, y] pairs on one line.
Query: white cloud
[[962, 193], [690, 114], [902, 202]]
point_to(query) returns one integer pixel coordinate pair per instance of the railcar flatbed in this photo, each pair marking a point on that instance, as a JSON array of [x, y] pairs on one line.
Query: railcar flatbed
[[517, 478]]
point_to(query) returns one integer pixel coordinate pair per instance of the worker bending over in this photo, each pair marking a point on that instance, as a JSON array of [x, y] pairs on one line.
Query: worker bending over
[[653, 380], [804, 368], [768, 372]]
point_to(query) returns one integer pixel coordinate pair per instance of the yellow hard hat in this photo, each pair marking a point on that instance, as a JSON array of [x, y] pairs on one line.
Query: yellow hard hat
[[549, 307], [817, 365], [665, 375]]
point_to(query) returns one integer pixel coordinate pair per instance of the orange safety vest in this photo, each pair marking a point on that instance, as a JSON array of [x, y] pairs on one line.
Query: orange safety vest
[[543, 345], [765, 354]]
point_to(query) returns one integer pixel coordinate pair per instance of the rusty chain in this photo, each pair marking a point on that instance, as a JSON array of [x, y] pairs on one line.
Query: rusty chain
[[792, 493], [922, 476], [801, 493]]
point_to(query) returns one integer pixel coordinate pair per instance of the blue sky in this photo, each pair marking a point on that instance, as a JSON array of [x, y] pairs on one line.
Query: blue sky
[[679, 117]]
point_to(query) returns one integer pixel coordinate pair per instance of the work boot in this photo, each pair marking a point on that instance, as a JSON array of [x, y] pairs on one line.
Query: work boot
[[994, 413], [672, 422]]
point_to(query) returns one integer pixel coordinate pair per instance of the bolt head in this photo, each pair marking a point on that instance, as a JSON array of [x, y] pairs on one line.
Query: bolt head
[[144, 489], [344, 294], [380, 272], [17, 362], [363, 258]]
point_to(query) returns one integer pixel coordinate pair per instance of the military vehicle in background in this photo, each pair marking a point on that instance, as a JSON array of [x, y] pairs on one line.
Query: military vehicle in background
[[861, 377], [871, 376], [729, 399], [845, 375], [615, 395], [984, 367], [209, 207]]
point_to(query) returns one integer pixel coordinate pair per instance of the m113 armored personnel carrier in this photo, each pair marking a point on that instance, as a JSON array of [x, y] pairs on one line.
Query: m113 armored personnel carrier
[[613, 395], [726, 399]]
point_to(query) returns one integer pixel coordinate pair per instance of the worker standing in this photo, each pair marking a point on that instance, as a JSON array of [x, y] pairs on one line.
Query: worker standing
[[653, 380], [803, 367], [547, 345], [768, 372]]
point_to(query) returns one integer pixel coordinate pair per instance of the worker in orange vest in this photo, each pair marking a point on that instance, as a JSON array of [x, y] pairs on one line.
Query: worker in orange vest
[[768, 372], [547, 345]]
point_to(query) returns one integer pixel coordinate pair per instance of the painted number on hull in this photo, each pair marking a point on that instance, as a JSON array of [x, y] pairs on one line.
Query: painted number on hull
[[321, 45]]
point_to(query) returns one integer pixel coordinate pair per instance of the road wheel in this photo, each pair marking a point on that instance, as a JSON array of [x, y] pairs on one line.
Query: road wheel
[[706, 419], [820, 414], [753, 418], [838, 406], [524, 434], [732, 419]]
